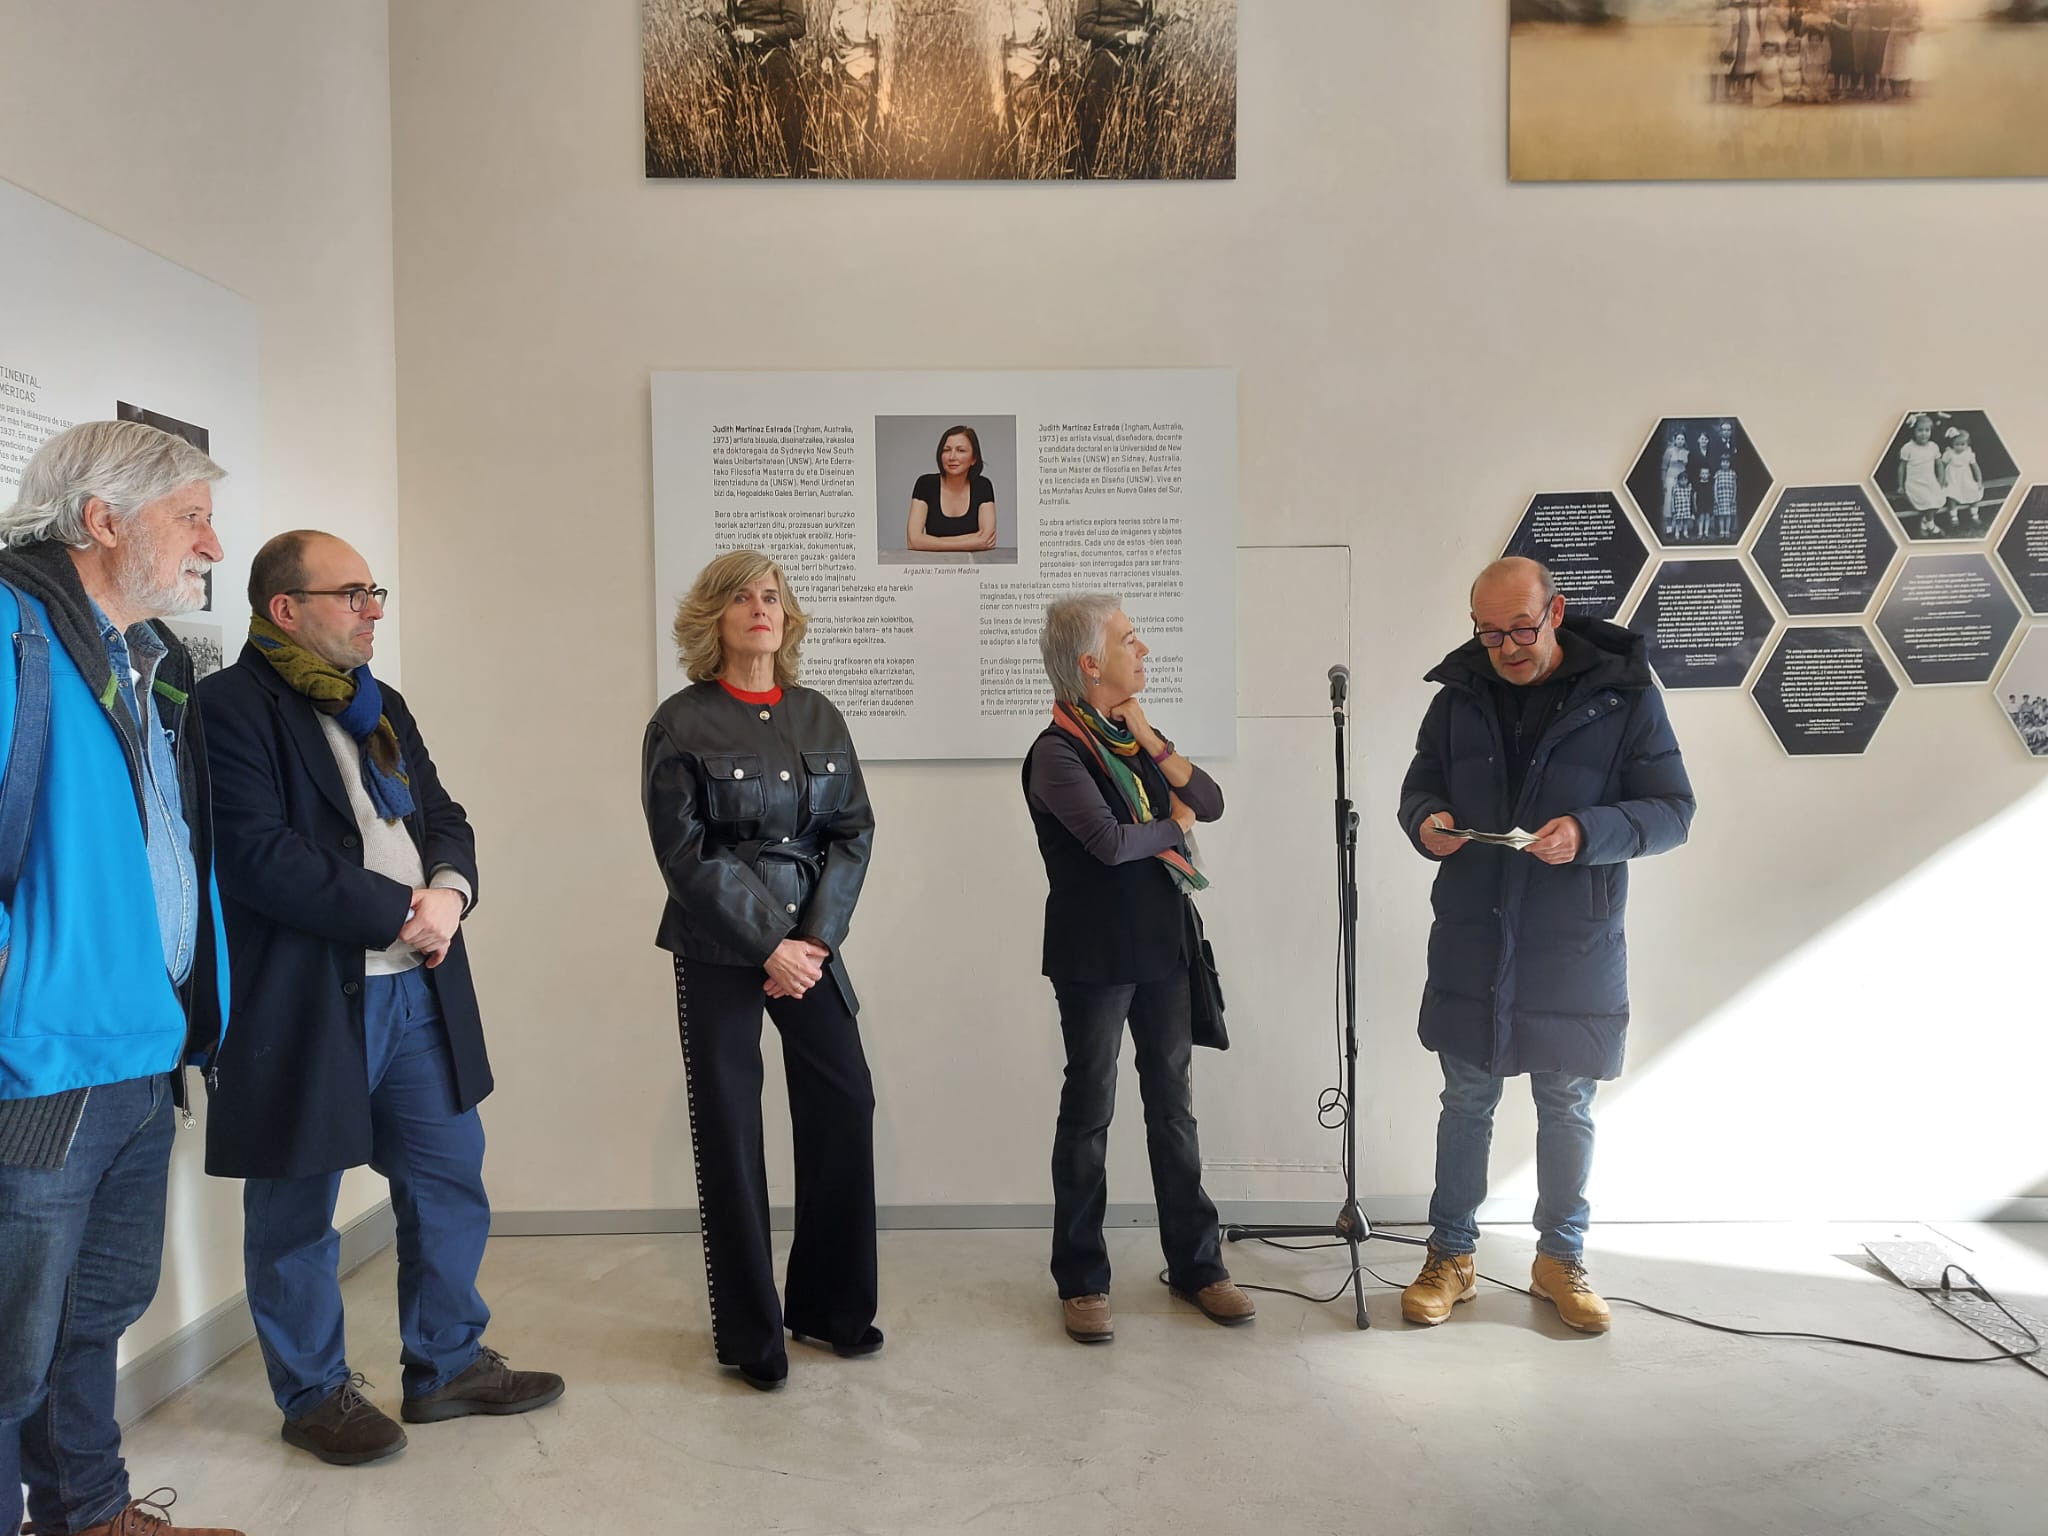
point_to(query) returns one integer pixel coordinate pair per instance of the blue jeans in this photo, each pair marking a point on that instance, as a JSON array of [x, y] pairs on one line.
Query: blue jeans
[[433, 1156], [80, 1247], [1564, 1157]]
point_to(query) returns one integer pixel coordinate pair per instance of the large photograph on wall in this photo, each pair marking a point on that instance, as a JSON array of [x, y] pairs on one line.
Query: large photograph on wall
[[940, 90], [926, 519], [1680, 90]]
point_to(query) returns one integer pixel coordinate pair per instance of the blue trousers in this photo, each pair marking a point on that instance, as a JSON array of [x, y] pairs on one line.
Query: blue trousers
[[433, 1156], [1564, 1157], [80, 1248]]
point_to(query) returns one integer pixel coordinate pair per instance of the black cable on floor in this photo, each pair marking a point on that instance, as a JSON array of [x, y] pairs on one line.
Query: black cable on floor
[[1700, 1322]]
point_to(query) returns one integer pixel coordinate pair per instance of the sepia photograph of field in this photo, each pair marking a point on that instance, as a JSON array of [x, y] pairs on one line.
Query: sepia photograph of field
[[1651, 90], [955, 90]]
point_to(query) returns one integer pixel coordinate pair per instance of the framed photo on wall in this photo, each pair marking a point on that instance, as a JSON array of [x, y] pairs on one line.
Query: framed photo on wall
[[1685, 90], [940, 90]]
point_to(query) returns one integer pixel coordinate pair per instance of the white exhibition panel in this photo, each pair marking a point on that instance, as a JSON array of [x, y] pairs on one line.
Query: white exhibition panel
[[88, 322], [1104, 480]]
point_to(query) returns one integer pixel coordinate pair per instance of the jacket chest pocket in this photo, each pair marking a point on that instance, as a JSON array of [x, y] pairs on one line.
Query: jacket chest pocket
[[734, 791], [827, 773]]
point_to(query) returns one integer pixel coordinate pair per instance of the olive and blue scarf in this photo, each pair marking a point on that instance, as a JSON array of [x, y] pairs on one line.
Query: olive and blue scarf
[[357, 705]]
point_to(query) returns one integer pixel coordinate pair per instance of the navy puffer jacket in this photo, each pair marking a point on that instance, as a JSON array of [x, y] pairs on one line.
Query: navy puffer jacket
[[1528, 966]]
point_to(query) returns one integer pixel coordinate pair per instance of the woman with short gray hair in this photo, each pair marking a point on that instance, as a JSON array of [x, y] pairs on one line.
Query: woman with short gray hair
[[1113, 803]]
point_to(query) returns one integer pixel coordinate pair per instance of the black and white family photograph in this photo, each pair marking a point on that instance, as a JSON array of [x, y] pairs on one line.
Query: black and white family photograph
[[205, 642], [1634, 90], [2023, 691], [941, 90], [1699, 480], [1946, 474], [946, 490]]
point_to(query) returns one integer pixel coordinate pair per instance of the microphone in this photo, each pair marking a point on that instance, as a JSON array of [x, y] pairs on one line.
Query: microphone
[[1340, 685]]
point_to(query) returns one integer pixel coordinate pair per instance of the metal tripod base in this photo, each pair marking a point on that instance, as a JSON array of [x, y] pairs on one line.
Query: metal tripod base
[[1351, 1227]]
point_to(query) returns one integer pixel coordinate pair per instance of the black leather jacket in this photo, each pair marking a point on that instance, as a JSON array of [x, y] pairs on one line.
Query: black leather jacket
[[760, 821]]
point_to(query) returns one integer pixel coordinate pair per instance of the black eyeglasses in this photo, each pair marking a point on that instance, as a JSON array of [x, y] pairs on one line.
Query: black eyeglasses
[[359, 597], [1521, 634]]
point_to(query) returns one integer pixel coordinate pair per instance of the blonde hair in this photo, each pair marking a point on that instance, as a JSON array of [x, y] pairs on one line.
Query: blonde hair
[[698, 647]]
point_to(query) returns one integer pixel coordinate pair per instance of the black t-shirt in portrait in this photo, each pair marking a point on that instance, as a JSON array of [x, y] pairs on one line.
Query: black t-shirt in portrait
[[936, 523]]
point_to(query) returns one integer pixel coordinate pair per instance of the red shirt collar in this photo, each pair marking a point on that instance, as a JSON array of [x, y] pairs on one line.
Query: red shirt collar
[[772, 696]]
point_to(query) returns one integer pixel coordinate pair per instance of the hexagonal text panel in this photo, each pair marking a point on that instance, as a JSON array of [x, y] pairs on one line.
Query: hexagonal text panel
[[1704, 623], [1824, 692], [1947, 619], [1824, 549], [1593, 550]]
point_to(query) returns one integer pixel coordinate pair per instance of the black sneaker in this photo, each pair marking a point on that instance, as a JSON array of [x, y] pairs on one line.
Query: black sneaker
[[347, 1429]]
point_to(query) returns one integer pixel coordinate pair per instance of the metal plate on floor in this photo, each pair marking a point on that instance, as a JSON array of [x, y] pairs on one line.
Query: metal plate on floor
[[1919, 1267]]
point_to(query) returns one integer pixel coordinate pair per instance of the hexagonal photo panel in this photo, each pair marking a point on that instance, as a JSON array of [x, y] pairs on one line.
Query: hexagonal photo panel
[[1593, 550], [1947, 619], [1699, 480], [2023, 551], [1947, 475], [2022, 691], [1703, 622], [1825, 691], [1824, 549]]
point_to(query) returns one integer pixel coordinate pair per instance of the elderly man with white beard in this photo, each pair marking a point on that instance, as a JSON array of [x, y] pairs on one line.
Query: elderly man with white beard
[[113, 970]]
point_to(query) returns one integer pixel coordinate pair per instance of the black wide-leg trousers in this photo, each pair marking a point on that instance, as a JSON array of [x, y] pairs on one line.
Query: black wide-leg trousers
[[830, 1291]]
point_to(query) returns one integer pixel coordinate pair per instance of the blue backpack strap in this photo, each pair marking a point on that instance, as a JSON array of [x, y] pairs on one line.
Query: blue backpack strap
[[31, 736]]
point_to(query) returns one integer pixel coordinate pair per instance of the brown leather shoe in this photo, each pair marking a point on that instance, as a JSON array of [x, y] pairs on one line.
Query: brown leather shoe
[[1088, 1319], [490, 1386], [346, 1429], [1563, 1283], [1446, 1280], [149, 1517], [1222, 1303]]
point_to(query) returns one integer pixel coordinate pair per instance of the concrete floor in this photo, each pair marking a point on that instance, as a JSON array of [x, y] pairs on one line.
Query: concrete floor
[[981, 1417]]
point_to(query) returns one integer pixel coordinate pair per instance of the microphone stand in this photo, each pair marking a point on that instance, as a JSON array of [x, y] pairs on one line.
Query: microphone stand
[[1350, 1225]]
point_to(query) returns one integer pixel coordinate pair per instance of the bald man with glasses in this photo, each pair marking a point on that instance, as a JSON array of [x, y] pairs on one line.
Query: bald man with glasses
[[1554, 725], [345, 872]]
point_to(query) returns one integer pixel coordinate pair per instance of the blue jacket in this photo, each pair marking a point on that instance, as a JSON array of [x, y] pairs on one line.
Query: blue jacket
[[84, 997], [1528, 965]]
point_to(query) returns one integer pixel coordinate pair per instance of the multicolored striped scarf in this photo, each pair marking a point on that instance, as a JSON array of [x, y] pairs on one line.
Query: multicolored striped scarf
[[357, 704], [1115, 750]]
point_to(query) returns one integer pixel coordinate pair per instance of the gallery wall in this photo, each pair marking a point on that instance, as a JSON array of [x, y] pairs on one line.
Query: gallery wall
[[1834, 1013], [250, 143]]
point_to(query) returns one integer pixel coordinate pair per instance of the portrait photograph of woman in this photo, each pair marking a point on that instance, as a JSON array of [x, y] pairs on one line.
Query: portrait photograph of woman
[[945, 490]]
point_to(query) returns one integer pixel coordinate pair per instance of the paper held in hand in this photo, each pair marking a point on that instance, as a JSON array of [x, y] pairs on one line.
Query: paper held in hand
[[1516, 838]]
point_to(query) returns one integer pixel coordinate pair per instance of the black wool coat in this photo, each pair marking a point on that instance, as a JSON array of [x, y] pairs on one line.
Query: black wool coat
[[291, 1094]]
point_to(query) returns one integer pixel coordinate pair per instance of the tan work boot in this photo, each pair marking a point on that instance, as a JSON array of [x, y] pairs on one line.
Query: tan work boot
[[1446, 1280], [1562, 1282], [1088, 1319], [151, 1516], [1222, 1303]]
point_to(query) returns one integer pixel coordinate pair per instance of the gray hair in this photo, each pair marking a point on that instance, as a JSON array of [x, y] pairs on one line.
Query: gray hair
[[123, 463], [1075, 626]]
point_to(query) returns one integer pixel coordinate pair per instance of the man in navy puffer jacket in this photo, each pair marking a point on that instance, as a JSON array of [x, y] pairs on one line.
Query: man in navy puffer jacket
[[1554, 725]]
